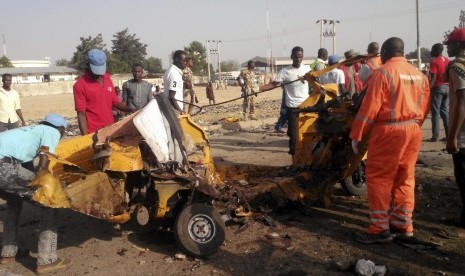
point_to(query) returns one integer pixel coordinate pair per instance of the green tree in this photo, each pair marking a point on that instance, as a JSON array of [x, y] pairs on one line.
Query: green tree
[[197, 52], [153, 65], [79, 59], [63, 62], [5, 62], [425, 55], [115, 65], [229, 65], [128, 49]]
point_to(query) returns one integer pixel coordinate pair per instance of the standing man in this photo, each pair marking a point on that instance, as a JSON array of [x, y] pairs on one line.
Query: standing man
[[439, 91], [13, 176], [189, 93], [210, 93], [371, 64], [394, 108], [94, 95], [320, 62], [334, 76], [295, 93], [173, 82], [352, 81], [137, 92], [455, 74], [10, 108], [246, 80]]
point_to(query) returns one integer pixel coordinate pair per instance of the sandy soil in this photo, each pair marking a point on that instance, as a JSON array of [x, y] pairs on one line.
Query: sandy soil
[[308, 244]]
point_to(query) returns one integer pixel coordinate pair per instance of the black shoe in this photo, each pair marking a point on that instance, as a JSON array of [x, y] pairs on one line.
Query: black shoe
[[432, 140], [366, 238], [396, 232]]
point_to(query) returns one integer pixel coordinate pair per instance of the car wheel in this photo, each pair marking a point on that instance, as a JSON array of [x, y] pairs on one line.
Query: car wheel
[[356, 183], [199, 230]]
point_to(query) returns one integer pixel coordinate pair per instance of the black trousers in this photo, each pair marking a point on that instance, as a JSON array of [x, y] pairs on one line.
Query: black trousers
[[459, 172], [292, 116]]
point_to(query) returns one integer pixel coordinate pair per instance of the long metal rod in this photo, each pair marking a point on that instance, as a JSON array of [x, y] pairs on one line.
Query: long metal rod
[[418, 37]]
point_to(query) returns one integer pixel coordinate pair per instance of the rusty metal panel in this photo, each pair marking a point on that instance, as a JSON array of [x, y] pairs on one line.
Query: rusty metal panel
[[97, 195]]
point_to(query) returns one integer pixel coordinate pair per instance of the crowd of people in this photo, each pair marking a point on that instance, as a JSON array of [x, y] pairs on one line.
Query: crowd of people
[[397, 100]]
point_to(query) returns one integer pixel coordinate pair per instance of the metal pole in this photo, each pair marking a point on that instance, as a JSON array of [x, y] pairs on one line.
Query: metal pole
[[334, 37], [321, 33], [418, 37], [219, 63], [208, 60]]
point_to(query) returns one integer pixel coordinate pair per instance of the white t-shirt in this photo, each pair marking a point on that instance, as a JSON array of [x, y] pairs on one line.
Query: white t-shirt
[[334, 76], [172, 80], [296, 92]]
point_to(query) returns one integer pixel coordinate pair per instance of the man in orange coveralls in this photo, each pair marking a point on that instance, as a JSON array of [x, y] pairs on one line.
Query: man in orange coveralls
[[395, 106]]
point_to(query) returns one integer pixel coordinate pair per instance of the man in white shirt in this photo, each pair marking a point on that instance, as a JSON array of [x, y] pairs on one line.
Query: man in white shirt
[[295, 93], [334, 76], [173, 81], [10, 108]]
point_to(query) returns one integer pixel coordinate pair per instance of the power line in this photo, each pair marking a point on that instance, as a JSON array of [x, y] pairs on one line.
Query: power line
[[399, 13]]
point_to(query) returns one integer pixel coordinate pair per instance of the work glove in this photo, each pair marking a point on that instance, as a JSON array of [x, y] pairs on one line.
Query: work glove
[[355, 146]]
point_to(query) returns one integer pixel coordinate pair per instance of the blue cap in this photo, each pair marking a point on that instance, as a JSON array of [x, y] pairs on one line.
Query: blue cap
[[332, 59], [56, 120], [97, 61]]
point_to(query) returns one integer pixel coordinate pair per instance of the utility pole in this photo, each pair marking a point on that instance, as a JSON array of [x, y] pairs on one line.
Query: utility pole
[[334, 22], [219, 63], [216, 52], [207, 51], [418, 37], [4, 45], [326, 33], [462, 19], [321, 21]]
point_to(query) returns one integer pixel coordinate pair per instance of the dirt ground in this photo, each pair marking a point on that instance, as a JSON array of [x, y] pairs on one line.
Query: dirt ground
[[307, 245]]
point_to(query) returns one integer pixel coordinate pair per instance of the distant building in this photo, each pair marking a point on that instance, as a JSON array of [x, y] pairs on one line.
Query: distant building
[[40, 74], [31, 63], [277, 63]]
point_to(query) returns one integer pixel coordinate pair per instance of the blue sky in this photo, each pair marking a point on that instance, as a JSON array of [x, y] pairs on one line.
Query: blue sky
[[51, 28]]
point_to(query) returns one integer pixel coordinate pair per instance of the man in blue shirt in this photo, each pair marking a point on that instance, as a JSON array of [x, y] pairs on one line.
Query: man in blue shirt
[[19, 146]]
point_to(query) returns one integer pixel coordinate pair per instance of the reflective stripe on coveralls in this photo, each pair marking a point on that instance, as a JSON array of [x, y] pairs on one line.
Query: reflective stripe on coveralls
[[394, 106]]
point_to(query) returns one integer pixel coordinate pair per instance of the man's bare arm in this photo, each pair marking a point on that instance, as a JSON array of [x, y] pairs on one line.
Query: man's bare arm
[[173, 101], [82, 122], [20, 115], [457, 122]]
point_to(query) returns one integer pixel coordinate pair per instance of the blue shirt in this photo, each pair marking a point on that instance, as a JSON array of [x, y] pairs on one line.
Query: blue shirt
[[22, 143]]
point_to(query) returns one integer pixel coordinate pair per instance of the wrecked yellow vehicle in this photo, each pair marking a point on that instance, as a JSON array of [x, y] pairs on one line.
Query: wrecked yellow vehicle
[[145, 166], [154, 166]]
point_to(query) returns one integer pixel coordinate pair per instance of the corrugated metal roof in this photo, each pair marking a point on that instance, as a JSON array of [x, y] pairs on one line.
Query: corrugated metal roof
[[38, 70]]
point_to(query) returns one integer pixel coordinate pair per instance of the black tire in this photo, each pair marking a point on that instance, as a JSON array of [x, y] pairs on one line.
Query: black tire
[[356, 183], [199, 230]]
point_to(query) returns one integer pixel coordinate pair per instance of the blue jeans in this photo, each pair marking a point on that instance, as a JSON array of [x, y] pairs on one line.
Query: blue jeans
[[439, 108], [47, 246], [283, 118]]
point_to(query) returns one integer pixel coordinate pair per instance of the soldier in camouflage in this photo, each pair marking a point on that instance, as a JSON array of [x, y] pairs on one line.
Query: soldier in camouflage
[[189, 94], [246, 80]]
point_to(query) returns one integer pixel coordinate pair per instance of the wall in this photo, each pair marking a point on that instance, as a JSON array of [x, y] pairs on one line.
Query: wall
[[61, 87]]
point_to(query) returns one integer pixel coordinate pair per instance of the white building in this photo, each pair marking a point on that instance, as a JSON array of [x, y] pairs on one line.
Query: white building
[[31, 63], [40, 74]]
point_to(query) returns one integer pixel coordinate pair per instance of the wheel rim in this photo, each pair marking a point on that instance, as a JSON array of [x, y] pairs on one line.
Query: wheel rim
[[201, 228]]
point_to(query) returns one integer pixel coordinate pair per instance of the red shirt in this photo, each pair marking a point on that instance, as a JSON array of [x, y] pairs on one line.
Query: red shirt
[[438, 67], [95, 100]]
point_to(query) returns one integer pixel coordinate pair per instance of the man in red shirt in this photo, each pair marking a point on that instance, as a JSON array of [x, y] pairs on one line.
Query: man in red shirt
[[439, 91], [94, 95]]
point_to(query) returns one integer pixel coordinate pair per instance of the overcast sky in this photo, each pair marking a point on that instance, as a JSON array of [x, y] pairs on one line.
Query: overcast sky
[[51, 28]]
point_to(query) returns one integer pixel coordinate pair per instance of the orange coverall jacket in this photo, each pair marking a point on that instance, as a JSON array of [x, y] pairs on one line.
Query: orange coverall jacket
[[395, 106]]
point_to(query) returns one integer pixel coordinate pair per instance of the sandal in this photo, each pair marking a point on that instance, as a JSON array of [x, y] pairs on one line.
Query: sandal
[[53, 267]]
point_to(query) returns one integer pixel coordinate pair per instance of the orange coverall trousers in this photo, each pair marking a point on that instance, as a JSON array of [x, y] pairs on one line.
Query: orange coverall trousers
[[390, 173]]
